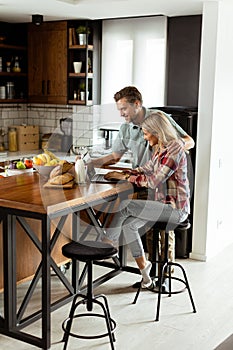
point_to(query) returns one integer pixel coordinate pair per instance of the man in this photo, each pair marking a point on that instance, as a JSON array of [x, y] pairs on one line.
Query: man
[[130, 138]]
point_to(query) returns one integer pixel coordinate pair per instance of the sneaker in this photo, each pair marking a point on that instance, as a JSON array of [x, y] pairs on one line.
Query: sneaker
[[152, 286], [165, 286], [136, 285], [146, 279]]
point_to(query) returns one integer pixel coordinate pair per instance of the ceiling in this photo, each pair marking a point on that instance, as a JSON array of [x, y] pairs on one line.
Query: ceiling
[[14, 11]]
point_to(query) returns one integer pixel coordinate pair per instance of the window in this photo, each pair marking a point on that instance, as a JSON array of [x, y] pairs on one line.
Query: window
[[134, 53]]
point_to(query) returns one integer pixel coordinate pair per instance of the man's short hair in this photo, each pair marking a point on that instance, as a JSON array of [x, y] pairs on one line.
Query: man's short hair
[[131, 93]]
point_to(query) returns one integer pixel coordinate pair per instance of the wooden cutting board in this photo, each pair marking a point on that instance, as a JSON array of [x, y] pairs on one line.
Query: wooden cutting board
[[68, 185]]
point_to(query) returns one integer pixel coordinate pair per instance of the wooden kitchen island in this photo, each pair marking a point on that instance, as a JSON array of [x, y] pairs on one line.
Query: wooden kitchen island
[[35, 223]]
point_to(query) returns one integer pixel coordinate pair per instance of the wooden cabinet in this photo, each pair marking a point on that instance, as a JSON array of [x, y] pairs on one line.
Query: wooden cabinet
[[47, 62], [27, 255], [47, 54], [13, 63], [84, 87]]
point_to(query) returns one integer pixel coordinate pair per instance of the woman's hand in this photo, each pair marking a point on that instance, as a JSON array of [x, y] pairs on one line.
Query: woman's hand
[[136, 171], [116, 175]]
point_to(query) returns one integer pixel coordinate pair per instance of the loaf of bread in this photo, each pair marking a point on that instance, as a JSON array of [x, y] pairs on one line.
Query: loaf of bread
[[66, 166], [61, 179], [60, 169]]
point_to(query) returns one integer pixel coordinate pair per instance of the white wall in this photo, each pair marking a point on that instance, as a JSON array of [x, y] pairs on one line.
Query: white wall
[[213, 206]]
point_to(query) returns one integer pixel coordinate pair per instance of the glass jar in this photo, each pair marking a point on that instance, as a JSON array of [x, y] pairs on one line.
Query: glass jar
[[12, 140], [10, 90]]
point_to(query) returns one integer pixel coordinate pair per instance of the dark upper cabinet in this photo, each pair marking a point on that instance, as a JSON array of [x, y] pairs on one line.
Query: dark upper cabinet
[[183, 60], [47, 62], [13, 62]]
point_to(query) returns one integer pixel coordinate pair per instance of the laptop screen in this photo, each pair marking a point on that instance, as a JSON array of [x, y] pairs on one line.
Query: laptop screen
[[90, 170]]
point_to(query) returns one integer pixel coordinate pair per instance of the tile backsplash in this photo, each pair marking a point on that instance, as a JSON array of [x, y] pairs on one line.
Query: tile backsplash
[[47, 117]]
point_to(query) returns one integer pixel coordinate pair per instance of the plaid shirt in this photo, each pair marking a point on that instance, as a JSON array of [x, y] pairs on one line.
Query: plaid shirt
[[166, 173]]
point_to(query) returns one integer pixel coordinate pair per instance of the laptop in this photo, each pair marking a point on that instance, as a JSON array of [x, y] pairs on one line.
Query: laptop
[[99, 177], [96, 177]]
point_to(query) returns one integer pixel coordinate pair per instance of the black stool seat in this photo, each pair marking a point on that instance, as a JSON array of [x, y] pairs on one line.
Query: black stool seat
[[169, 226], [166, 264], [89, 251]]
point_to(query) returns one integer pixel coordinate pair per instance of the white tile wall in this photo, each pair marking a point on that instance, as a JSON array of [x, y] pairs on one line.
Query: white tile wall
[[48, 117]]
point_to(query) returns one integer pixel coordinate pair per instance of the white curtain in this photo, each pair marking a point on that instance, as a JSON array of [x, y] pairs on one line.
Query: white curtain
[[134, 53]]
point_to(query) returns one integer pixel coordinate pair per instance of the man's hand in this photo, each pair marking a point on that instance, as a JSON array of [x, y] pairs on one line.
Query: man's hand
[[116, 175], [175, 146]]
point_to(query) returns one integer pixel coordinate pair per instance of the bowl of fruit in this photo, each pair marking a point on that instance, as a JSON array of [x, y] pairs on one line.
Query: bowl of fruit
[[45, 162], [19, 167]]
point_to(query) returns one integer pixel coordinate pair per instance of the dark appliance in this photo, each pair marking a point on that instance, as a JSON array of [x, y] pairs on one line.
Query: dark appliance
[[186, 117], [66, 126], [107, 134]]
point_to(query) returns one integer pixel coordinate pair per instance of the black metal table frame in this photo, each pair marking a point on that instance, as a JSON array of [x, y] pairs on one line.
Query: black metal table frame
[[12, 323]]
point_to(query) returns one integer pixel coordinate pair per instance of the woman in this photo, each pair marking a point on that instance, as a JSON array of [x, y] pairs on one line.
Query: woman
[[166, 174]]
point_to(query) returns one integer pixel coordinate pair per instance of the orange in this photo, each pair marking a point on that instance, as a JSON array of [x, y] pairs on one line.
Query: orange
[[38, 161]]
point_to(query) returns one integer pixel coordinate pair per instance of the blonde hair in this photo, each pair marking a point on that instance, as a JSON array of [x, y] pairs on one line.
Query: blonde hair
[[159, 125]]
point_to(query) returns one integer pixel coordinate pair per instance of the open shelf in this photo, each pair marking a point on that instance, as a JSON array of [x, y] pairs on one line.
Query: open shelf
[[81, 47]]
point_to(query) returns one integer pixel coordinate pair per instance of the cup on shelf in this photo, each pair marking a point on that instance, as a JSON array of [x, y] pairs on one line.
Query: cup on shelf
[[82, 95], [77, 67]]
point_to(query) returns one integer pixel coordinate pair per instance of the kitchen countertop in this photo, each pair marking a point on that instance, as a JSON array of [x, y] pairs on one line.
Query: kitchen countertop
[[8, 156]]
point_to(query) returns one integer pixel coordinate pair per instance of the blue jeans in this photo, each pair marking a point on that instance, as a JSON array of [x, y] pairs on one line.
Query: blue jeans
[[134, 214]]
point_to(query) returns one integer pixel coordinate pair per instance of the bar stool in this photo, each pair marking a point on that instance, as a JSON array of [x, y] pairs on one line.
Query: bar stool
[[89, 251], [166, 265]]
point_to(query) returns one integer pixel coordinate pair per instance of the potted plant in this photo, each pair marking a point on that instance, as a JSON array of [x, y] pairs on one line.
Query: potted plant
[[82, 32]]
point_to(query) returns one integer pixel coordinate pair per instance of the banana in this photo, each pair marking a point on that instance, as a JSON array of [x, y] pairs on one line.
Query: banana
[[52, 156], [53, 162], [48, 158], [42, 157], [34, 159]]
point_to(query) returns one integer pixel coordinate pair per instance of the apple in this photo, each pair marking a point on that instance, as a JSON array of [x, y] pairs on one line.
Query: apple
[[28, 163], [20, 165]]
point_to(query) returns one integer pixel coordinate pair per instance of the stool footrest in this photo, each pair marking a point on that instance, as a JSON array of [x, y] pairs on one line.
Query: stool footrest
[[184, 280], [110, 323], [89, 314]]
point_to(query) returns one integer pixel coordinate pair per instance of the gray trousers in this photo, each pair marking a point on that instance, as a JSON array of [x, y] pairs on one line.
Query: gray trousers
[[134, 214]]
